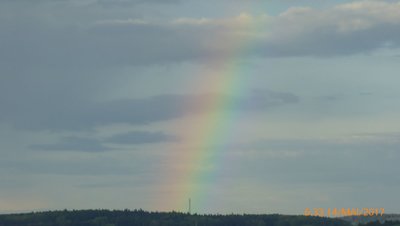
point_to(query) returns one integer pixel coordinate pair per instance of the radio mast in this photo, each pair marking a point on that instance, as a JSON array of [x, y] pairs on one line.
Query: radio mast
[[190, 206]]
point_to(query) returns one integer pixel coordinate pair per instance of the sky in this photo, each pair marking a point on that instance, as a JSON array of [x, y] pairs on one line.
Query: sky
[[243, 106]]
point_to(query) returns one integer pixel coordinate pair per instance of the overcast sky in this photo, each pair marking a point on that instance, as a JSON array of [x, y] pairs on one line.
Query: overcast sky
[[102, 104]]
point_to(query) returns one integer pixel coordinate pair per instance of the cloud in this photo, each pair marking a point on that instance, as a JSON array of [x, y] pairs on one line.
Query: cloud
[[83, 115], [73, 144], [313, 160], [345, 160], [141, 137], [95, 145], [346, 29], [132, 2], [102, 2], [86, 115], [66, 163], [342, 30]]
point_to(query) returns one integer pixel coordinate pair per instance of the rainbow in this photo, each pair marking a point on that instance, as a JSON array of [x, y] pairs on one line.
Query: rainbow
[[207, 137]]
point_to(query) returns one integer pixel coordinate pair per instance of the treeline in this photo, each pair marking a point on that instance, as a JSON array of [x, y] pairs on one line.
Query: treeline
[[144, 218], [378, 223]]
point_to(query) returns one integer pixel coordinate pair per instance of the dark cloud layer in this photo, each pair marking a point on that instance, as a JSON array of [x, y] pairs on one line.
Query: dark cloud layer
[[141, 137], [75, 166], [132, 2], [99, 145], [73, 144], [346, 30], [81, 115], [353, 161]]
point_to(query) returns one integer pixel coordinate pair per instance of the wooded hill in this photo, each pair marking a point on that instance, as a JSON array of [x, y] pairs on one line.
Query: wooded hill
[[144, 218]]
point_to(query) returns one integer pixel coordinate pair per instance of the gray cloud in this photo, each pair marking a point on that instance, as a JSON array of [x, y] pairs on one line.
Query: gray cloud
[[94, 145], [85, 115], [73, 144], [132, 2], [101, 2], [354, 161], [141, 137], [347, 29], [94, 165]]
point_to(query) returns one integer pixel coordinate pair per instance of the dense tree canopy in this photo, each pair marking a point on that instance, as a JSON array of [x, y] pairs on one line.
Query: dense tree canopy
[[143, 218]]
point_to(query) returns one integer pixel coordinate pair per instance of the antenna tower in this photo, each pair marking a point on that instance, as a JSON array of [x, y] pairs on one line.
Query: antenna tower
[[190, 206]]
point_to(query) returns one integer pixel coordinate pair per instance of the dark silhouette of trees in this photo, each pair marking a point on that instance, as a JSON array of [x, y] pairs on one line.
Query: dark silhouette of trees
[[144, 218]]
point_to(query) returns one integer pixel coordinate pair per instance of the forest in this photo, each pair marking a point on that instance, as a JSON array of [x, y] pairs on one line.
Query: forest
[[144, 218]]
